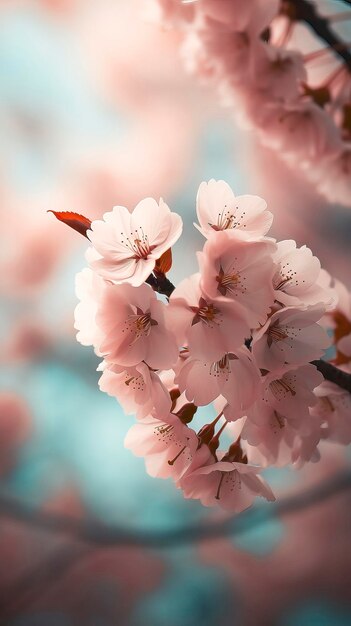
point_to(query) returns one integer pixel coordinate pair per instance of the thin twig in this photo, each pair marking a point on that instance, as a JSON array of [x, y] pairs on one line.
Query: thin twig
[[334, 374], [306, 11], [92, 532]]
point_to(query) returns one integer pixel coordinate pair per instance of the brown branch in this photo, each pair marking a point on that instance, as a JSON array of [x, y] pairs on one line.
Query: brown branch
[[91, 532], [306, 11], [334, 374], [161, 284]]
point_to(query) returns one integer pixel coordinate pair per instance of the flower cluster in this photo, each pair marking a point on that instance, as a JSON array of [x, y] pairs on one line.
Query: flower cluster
[[239, 335], [266, 69]]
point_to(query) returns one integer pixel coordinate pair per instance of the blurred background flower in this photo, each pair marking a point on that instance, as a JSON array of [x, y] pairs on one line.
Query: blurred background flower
[[96, 110]]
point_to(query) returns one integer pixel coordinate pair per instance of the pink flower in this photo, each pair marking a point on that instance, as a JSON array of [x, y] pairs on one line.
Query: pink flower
[[218, 209], [291, 336], [234, 376], [138, 389], [278, 443], [232, 485], [301, 130], [239, 271], [279, 425], [15, 429], [212, 53], [133, 321], [278, 72], [127, 245], [334, 175], [298, 278], [127, 326], [89, 289], [240, 15], [170, 12], [168, 446], [340, 320], [209, 328], [288, 393], [333, 407]]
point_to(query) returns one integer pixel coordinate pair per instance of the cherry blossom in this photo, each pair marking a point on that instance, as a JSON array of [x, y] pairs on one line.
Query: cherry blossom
[[272, 80], [218, 52], [167, 446], [300, 130], [290, 394], [129, 244], [139, 389], [131, 326], [239, 271], [240, 16], [333, 407], [219, 209], [290, 336], [170, 11], [208, 327], [276, 442], [334, 175], [232, 485], [15, 428], [280, 420], [340, 320], [278, 72], [298, 278], [89, 289], [239, 334], [234, 376]]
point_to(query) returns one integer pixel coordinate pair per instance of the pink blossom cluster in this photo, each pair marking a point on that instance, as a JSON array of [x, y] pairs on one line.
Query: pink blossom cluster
[[296, 99], [238, 336]]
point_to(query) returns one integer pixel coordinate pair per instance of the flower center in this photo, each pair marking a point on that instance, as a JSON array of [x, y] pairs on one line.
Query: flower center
[[135, 382], [281, 388], [228, 219], [206, 313], [221, 368], [164, 432], [231, 479], [225, 221], [138, 243], [284, 275], [276, 333], [140, 324], [227, 283]]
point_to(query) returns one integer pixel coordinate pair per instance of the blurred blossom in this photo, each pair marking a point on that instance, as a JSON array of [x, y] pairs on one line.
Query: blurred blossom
[[15, 429]]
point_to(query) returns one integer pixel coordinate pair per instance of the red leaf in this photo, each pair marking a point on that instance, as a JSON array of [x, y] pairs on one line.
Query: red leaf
[[78, 222], [164, 263]]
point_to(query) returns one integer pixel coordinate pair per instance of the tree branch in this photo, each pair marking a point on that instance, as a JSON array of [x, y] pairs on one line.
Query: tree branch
[[161, 284], [334, 374], [306, 11], [92, 532]]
